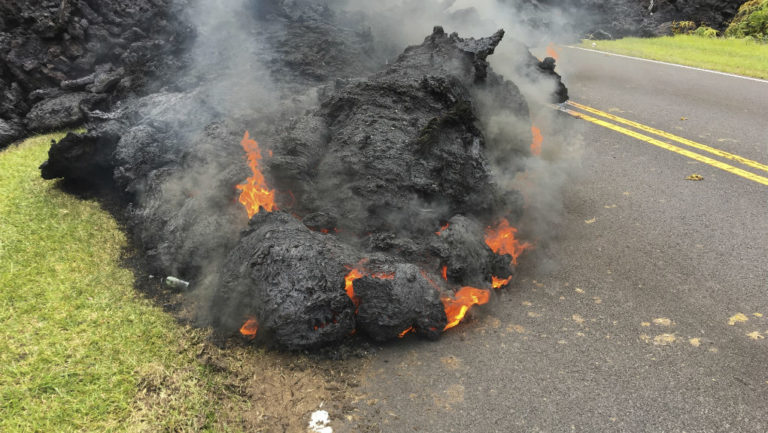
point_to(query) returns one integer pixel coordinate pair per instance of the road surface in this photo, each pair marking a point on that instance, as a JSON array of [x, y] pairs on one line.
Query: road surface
[[654, 314]]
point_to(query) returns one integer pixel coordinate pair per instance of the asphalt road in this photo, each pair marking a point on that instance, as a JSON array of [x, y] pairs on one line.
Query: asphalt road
[[627, 329]]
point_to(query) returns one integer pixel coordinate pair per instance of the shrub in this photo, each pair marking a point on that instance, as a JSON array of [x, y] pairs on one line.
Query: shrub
[[751, 20], [683, 27], [706, 32]]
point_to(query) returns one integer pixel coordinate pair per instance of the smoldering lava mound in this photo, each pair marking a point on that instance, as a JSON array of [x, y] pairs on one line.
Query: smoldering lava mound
[[386, 161], [364, 182]]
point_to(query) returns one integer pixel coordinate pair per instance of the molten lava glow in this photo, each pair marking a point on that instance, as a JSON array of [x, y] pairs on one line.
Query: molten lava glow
[[501, 240], [250, 328], [444, 273], [442, 229], [456, 307], [552, 51], [359, 272], [254, 193], [499, 282], [348, 285], [538, 139], [404, 333]]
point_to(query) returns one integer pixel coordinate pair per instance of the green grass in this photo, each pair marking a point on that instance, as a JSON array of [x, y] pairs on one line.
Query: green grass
[[736, 56], [80, 350]]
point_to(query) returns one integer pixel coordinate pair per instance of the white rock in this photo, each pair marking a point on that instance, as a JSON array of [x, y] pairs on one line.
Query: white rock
[[320, 422]]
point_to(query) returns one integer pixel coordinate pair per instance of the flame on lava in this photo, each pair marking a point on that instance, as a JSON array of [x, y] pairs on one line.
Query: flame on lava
[[442, 229], [444, 273], [538, 140], [456, 307], [250, 328], [500, 282], [501, 240], [552, 51], [348, 285], [360, 272], [254, 193]]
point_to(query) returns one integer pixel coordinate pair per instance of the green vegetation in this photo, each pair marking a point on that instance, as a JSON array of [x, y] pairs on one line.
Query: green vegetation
[[79, 349], [689, 28], [706, 32], [737, 56], [751, 21], [683, 27]]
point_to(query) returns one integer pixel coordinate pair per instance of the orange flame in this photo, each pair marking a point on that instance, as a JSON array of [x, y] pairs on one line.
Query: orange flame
[[359, 272], [502, 240], [445, 273], [442, 229], [500, 282], [538, 140], [348, 285], [552, 51], [456, 307], [250, 328], [404, 333], [254, 193]]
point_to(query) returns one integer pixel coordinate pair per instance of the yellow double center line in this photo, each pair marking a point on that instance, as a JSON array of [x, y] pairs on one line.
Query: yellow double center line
[[698, 157]]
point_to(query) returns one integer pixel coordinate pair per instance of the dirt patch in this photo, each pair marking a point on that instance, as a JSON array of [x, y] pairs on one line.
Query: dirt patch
[[277, 392], [249, 389], [252, 388]]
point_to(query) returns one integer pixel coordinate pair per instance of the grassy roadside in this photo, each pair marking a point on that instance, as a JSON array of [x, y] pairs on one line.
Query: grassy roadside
[[79, 349], [736, 56], [82, 351]]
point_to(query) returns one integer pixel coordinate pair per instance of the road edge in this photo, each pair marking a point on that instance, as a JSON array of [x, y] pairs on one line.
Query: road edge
[[727, 74]]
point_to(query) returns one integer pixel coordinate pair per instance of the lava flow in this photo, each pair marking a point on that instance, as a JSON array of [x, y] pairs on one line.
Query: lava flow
[[348, 285], [538, 140], [359, 272], [254, 193], [250, 328], [500, 282], [456, 307], [406, 332], [501, 240]]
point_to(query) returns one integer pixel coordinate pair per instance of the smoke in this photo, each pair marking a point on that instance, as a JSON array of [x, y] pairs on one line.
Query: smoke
[[540, 179], [398, 23], [233, 87], [225, 89]]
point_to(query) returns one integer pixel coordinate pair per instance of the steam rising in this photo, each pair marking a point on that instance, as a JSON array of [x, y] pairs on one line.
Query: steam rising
[[396, 24], [230, 69]]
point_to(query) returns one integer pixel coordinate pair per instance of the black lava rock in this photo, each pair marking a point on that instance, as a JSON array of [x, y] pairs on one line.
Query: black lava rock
[[64, 44], [364, 177]]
